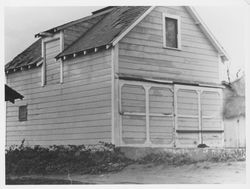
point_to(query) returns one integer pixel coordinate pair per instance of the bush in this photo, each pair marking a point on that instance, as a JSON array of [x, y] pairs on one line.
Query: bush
[[59, 159]]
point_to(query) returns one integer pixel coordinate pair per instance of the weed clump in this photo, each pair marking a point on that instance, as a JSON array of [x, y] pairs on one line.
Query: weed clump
[[60, 159]]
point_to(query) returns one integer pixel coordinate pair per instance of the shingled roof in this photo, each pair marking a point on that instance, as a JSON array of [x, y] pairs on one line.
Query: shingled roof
[[109, 25], [113, 24], [28, 57]]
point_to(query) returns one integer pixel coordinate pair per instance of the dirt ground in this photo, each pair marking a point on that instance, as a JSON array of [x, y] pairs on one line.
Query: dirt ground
[[199, 173]]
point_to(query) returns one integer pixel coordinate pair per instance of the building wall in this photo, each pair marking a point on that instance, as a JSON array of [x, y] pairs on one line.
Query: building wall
[[177, 116], [235, 132], [141, 51], [75, 112]]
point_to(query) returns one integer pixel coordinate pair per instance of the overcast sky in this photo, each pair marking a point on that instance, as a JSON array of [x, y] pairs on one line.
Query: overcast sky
[[227, 23]]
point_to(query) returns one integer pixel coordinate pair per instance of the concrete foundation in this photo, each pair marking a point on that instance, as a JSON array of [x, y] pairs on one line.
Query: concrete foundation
[[196, 154]]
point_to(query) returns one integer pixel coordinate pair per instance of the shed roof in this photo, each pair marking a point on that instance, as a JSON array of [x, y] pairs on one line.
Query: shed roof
[[11, 95]]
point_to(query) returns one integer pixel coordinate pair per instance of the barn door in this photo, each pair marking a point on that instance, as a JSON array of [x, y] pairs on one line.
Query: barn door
[[198, 116], [146, 114]]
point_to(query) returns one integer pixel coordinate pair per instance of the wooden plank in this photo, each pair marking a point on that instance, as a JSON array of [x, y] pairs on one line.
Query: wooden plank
[[59, 131], [93, 123], [58, 142], [63, 137], [162, 51]]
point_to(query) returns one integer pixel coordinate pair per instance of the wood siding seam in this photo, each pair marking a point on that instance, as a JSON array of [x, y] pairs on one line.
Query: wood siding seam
[[146, 88], [61, 49], [114, 109], [44, 65]]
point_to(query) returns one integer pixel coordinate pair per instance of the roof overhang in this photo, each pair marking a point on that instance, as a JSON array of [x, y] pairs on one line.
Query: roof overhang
[[11, 95]]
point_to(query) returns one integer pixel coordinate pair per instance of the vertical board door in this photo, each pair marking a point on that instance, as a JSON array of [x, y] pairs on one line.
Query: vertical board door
[[211, 118], [198, 116], [161, 108]]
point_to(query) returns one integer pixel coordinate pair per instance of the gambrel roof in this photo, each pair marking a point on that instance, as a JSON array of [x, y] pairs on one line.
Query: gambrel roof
[[111, 24]]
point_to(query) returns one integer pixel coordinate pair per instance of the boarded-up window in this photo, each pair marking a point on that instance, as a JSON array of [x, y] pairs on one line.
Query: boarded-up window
[[211, 118], [171, 32], [161, 108], [23, 112], [188, 117], [52, 66], [133, 111]]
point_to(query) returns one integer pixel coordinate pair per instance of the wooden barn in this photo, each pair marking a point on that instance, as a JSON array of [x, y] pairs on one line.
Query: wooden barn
[[134, 76]]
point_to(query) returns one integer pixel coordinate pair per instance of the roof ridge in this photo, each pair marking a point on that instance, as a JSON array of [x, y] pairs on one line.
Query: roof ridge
[[71, 23]]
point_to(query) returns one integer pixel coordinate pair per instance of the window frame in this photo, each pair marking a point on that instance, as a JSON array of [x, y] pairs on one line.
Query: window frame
[[26, 113], [178, 18], [57, 36]]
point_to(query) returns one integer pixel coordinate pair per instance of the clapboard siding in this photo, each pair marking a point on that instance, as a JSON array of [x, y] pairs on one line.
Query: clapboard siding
[[134, 129], [75, 112], [141, 51]]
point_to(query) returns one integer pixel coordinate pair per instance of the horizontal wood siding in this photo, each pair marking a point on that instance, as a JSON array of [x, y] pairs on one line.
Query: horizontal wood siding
[[161, 103], [134, 129], [141, 51], [75, 112]]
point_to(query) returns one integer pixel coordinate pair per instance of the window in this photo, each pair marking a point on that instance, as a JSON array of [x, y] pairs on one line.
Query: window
[[23, 112], [171, 31]]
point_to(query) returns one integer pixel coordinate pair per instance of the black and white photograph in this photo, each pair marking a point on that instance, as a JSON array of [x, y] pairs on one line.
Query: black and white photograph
[[126, 95]]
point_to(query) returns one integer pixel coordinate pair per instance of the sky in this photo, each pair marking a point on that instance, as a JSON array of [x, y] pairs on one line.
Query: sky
[[227, 23]]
